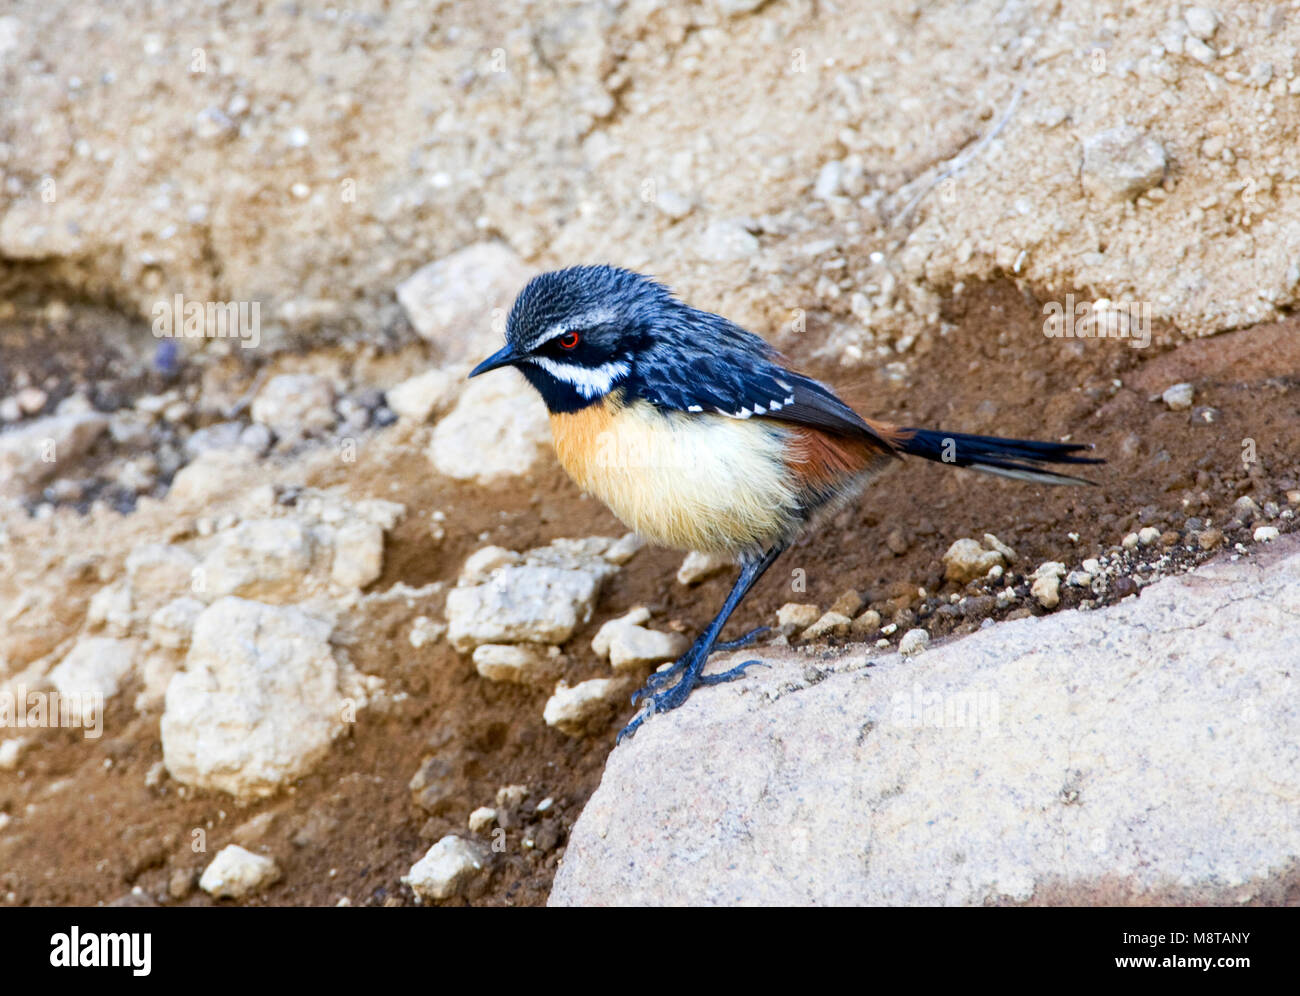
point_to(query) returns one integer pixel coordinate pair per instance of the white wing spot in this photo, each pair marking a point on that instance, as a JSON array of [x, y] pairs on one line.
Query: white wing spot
[[694, 408]]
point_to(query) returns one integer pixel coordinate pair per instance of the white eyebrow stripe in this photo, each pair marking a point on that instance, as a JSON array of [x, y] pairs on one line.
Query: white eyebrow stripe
[[586, 320], [590, 382]]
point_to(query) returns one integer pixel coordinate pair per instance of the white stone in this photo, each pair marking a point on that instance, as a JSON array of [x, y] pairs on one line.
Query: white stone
[[294, 405], [699, 567], [1201, 22], [10, 751], [1148, 535], [996, 767], [160, 572], [913, 642], [582, 708], [358, 554], [1049, 569], [482, 818], [1266, 534], [418, 397], [507, 662], [1122, 162], [265, 559], [171, 625], [480, 565], [521, 604], [600, 643], [110, 607], [236, 873], [260, 700], [966, 560], [35, 452], [828, 624], [797, 614], [453, 302], [1179, 397], [93, 672], [1047, 590], [496, 430], [634, 647], [447, 869]]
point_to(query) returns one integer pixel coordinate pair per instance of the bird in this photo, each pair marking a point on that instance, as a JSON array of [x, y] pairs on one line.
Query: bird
[[699, 436]]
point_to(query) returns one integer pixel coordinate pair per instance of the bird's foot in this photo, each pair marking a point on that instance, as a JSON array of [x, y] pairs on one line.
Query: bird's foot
[[659, 679], [671, 698], [729, 675]]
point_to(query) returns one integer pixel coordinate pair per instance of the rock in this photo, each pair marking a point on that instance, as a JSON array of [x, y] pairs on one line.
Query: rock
[[433, 391], [496, 430], [433, 786], [159, 572], [1201, 22], [259, 701], [425, 630], [830, 624], [1179, 397], [848, 604], [583, 708], [1130, 541], [447, 869], [726, 239], [698, 567], [171, 625], [1246, 509], [110, 607], [93, 672], [897, 542], [295, 405], [634, 647], [451, 302], [992, 769], [480, 565], [1196, 49], [1266, 534], [1122, 162], [913, 642], [866, 624], [991, 542], [1148, 535], [800, 615], [33, 453], [10, 751], [156, 671], [358, 554], [236, 873], [521, 605], [624, 549], [482, 819], [519, 665], [1047, 590], [265, 559], [540, 596], [600, 643], [966, 560], [210, 478]]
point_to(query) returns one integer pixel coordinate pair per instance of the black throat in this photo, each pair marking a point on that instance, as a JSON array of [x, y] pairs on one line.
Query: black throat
[[560, 398]]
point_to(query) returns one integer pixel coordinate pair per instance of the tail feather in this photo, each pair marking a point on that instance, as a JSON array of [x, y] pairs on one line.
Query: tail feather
[[1021, 459]]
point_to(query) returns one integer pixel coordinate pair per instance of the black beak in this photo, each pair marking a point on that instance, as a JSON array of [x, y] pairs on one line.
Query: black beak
[[503, 357]]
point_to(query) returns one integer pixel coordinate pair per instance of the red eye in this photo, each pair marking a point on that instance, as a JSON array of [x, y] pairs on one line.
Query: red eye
[[569, 340]]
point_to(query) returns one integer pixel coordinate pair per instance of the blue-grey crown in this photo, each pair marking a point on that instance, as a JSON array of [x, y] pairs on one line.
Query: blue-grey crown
[[583, 296]]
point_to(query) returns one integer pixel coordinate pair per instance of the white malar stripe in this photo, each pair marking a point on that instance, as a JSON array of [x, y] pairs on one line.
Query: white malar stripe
[[591, 383]]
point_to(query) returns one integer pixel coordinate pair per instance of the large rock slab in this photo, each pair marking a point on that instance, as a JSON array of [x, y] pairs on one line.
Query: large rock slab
[[1141, 753]]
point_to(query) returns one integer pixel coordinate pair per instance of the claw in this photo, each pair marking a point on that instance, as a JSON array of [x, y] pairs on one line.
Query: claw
[[729, 675], [741, 642]]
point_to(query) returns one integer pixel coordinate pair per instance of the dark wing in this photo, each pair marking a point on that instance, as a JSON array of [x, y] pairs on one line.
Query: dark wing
[[741, 384]]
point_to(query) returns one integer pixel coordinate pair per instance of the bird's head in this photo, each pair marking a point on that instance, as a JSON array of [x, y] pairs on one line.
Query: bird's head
[[577, 333]]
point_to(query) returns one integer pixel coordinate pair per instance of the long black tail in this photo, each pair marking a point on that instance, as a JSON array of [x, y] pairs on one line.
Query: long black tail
[[1022, 459]]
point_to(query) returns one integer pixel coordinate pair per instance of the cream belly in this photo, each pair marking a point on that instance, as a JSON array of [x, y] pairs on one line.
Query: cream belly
[[694, 482]]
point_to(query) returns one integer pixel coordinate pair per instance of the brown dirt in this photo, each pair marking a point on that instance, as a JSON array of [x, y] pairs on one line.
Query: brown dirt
[[85, 828]]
